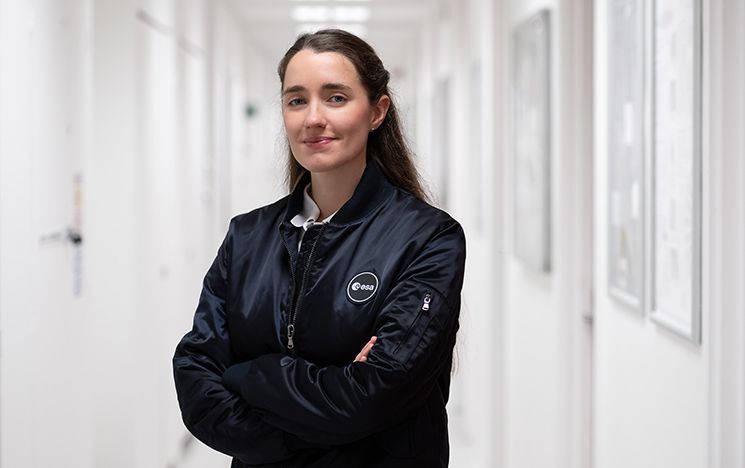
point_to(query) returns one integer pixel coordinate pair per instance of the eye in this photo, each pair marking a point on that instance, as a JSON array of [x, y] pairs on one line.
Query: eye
[[295, 102], [337, 99]]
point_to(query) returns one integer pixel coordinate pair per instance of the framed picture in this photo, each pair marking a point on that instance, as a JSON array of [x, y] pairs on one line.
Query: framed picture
[[531, 142], [676, 181], [626, 161]]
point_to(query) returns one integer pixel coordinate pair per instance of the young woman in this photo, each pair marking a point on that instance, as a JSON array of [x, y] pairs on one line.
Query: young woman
[[325, 328]]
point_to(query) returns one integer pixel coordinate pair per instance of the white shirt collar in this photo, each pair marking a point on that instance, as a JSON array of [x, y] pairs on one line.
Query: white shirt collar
[[310, 213]]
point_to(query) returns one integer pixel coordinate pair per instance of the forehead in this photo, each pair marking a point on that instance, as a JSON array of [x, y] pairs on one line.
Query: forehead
[[308, 67]]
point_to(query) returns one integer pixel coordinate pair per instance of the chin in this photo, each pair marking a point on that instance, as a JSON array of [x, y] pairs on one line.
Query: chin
[[324, 163]]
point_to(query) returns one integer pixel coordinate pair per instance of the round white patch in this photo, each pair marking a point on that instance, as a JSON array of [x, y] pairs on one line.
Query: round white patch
[[362, 287]]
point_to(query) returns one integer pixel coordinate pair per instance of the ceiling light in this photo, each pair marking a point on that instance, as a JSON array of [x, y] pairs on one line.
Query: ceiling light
[[311, 14], [340, 14], [351, 14]]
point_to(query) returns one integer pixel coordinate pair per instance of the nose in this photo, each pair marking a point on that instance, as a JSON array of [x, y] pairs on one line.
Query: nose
[[314, 117]]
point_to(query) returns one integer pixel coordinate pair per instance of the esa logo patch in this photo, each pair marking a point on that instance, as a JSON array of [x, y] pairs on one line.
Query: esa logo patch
[[362, 287]]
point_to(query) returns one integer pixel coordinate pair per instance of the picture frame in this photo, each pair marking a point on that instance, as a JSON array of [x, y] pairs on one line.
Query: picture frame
[[531, 91], [677, 167], [626, 194]]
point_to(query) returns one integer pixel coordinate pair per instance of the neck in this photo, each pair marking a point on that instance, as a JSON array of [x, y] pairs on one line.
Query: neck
[[331, 190]]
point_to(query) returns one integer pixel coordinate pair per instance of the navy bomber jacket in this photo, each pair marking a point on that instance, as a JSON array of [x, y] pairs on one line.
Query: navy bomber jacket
[[266, 373]]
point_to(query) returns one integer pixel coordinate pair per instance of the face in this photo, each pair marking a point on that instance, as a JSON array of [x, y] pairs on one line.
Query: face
[[326, 112]]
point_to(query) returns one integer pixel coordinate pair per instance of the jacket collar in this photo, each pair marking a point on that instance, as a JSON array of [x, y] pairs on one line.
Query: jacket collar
[[372, 189]]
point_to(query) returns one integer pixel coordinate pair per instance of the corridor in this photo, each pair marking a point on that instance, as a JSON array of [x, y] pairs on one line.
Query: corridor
[[592, 151]]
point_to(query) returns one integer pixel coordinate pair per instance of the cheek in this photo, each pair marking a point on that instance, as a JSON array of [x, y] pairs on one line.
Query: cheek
[[357, 122], [290, 123]]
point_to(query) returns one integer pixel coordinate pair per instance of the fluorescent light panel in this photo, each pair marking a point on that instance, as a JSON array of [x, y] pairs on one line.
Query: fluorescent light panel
[[339, 14], [357, 29], [310, 14]]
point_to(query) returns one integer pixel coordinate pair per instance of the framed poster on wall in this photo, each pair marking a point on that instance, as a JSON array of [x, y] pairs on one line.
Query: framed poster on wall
[[676, 181], [531, 142], [626, 162]]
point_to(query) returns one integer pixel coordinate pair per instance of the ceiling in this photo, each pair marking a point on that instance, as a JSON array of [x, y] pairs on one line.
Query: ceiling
[[392, 27]]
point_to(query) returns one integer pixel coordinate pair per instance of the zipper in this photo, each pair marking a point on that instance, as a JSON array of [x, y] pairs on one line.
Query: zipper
[[422, 309], [290, 336], [296, 307], [291, 326], [427, 300]]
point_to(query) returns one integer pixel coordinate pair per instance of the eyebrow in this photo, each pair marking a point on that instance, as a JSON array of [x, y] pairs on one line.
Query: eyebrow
[[326, 86]]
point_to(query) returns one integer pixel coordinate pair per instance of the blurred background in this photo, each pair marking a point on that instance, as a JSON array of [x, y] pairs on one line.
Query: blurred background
[[592, 150]]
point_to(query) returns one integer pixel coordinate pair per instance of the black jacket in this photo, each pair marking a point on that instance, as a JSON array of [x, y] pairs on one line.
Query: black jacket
[[387, 264]]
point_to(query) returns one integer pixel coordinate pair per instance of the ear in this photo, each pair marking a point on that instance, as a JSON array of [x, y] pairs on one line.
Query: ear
[[380, 110]]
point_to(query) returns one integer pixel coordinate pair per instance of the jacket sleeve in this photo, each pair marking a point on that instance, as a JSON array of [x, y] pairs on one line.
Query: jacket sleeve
[[215, 415], [416, 330]]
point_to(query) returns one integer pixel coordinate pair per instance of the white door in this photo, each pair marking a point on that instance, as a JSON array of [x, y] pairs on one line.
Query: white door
[[44, 420]]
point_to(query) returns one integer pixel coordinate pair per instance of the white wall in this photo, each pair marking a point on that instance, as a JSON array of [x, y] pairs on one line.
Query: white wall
[[725, 137], [661, 401], [259, 152], [110, 230], [191, 134], [545, 331], [651, 388], [457, 47]]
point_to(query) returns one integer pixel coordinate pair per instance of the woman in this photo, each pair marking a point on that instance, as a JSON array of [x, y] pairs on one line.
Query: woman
[[325, 328]]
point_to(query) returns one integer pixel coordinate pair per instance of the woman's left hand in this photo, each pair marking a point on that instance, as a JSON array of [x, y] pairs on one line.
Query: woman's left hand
[[362, 356]]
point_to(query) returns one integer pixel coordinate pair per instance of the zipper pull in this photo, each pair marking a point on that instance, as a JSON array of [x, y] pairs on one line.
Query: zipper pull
[[427, 299], [290, 336]]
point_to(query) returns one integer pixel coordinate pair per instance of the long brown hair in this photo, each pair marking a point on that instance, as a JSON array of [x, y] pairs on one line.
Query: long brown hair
[[386, 145]]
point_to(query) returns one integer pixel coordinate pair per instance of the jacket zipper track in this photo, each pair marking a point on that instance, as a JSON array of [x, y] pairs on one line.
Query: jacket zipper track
[[296, 307], [292, 291]]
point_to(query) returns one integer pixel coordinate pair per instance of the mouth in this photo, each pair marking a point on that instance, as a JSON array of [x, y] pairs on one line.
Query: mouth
[[320, 139], [318, 142]]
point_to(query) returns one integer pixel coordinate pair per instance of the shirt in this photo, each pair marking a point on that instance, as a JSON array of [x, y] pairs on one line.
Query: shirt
[[308, 216]]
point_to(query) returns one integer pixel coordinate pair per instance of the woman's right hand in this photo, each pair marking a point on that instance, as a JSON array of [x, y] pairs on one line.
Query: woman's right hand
[[362, 356]]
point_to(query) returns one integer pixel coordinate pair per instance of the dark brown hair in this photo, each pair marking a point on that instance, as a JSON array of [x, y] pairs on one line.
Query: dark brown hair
[[386, 145]]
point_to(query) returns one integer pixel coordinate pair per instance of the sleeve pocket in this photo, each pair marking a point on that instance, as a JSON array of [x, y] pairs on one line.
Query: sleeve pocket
[[421, 331]]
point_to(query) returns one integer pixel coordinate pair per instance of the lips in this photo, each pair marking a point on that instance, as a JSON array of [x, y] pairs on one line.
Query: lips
[[318, 142]]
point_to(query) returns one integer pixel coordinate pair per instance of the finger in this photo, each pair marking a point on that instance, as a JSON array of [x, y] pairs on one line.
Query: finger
[[362, 356], [368, 346], [371, 343], [366, 350]]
